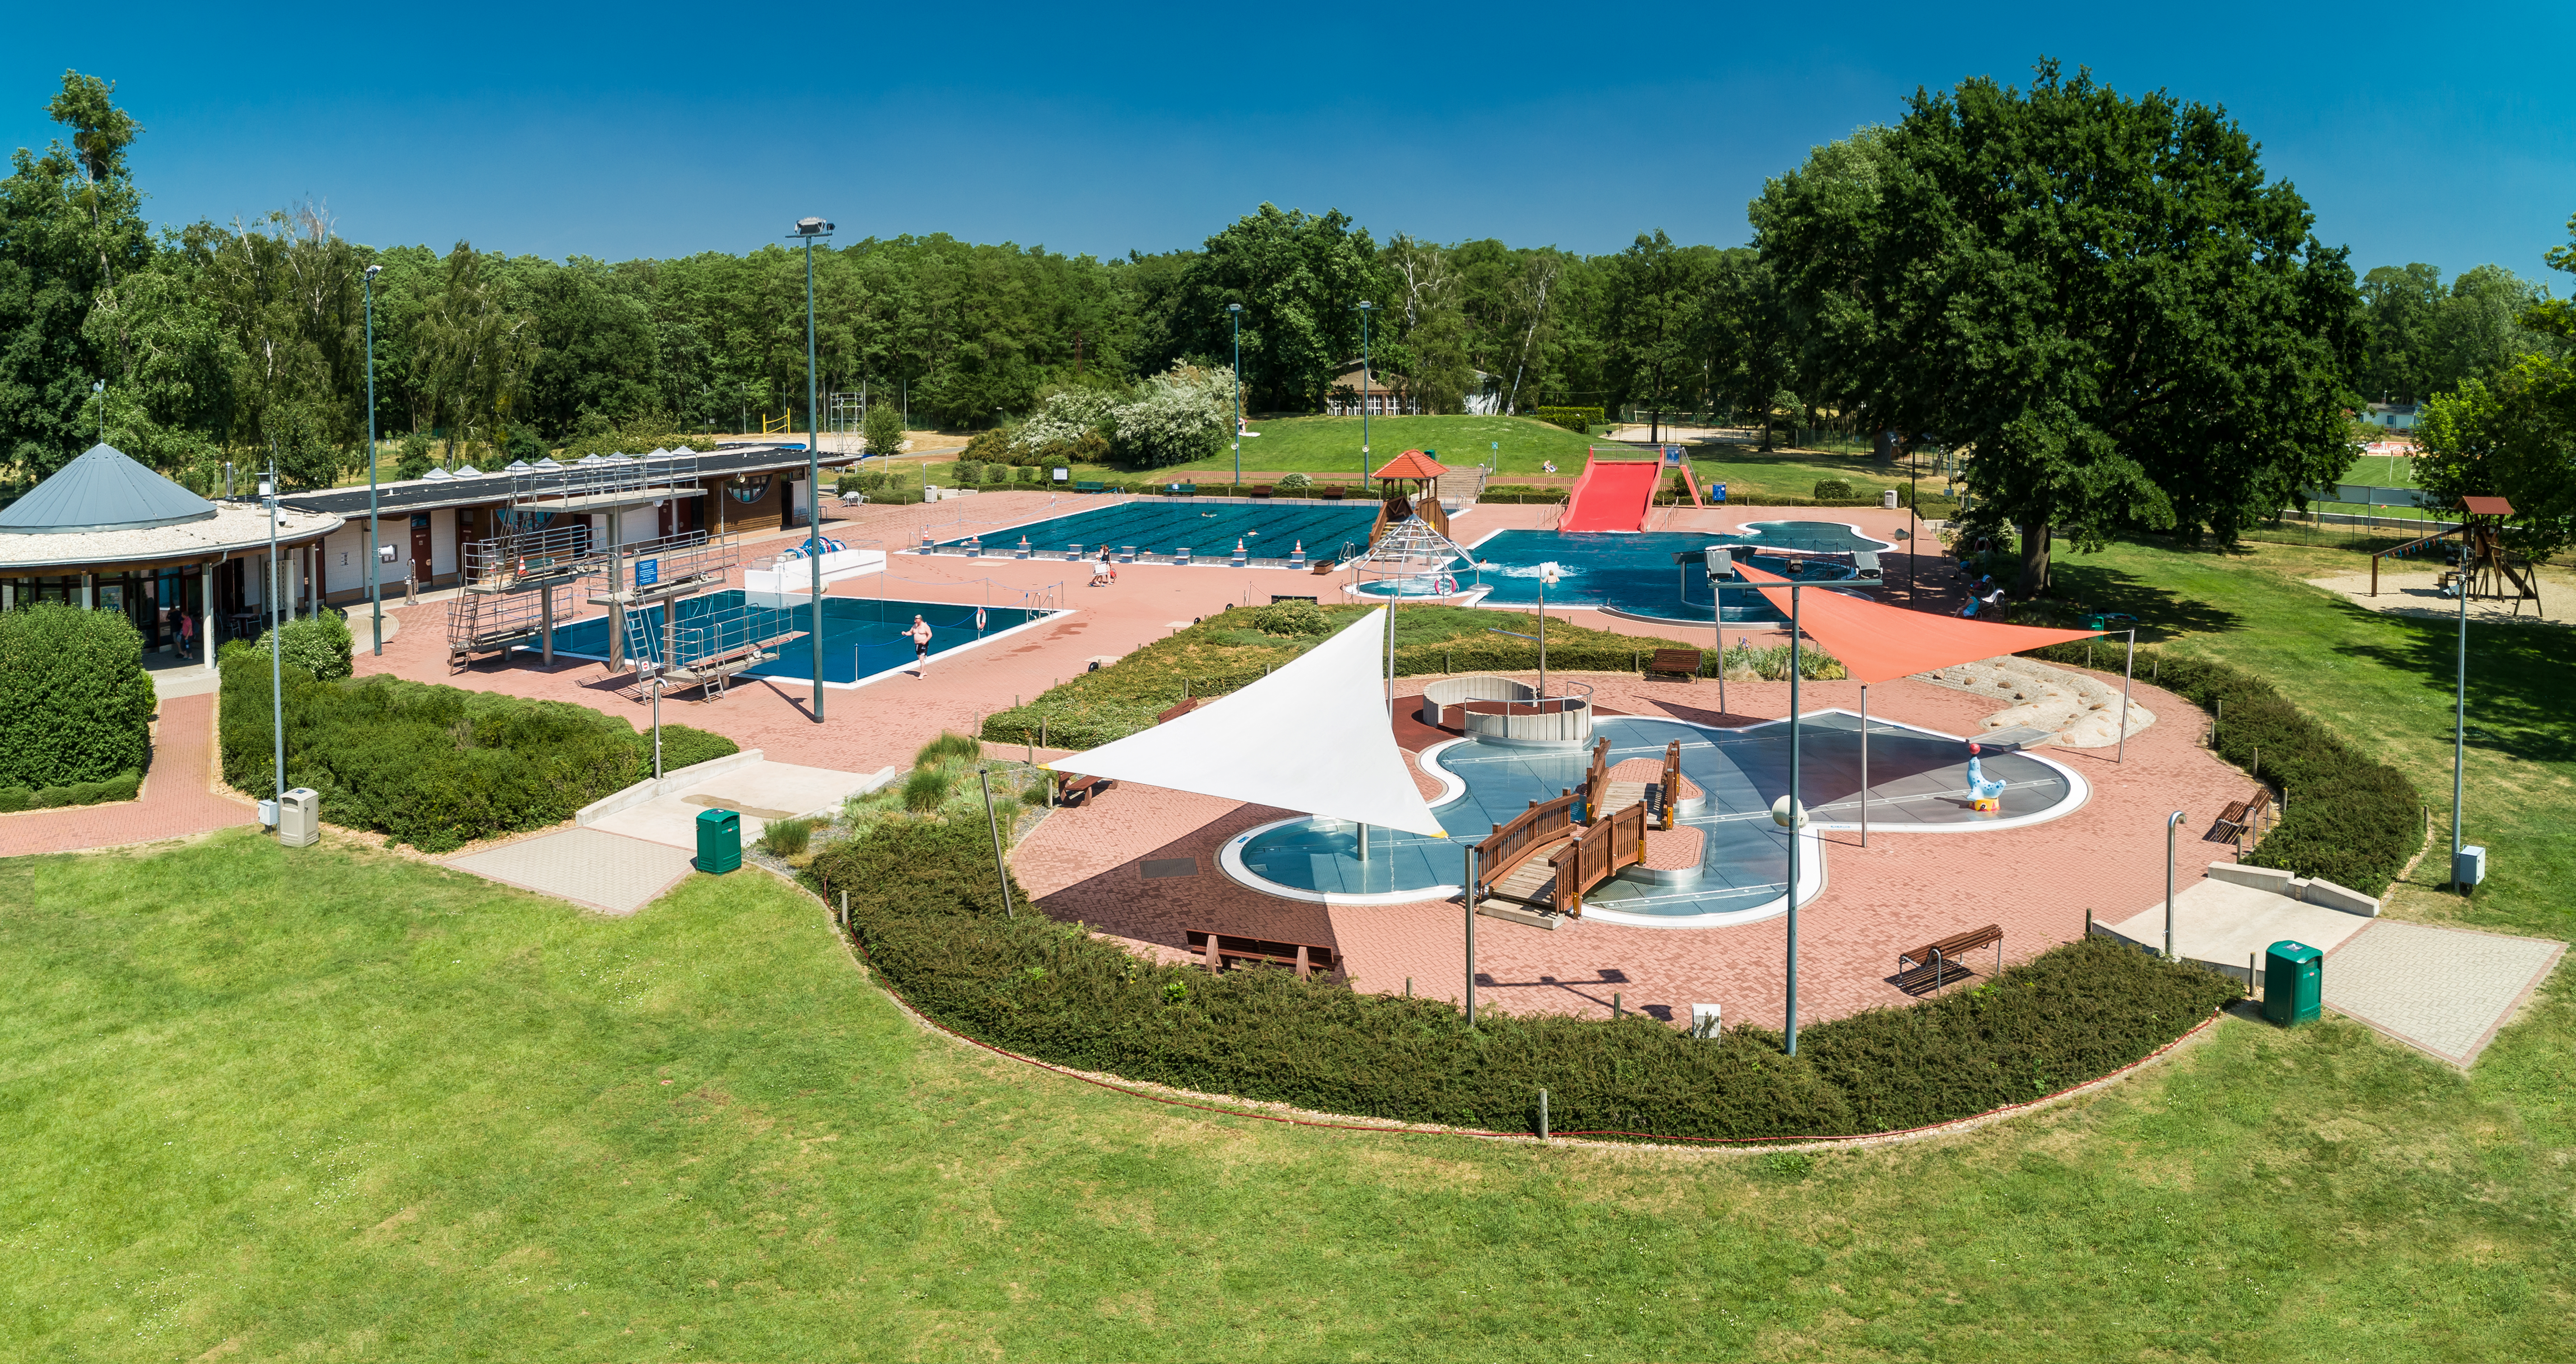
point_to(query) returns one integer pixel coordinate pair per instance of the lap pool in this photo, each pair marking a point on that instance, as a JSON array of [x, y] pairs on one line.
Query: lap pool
[[862, 636], [1269, 530]]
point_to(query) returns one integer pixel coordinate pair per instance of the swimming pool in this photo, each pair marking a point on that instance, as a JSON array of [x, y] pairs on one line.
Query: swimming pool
[[1635, 575], [1916, 785], [862, 636], [1269, 530]]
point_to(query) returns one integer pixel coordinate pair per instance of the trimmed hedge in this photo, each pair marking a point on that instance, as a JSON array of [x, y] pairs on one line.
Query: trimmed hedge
[[1579, 420], [16, 798], [436, 766], [76, 705], [924, 905], [2347, 817], [1232, 650]]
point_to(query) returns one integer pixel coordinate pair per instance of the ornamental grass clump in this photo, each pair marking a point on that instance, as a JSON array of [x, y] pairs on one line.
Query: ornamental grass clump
[[787, 837]]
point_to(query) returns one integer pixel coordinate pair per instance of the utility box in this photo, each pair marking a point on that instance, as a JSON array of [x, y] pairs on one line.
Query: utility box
[[1887, 499], [2293, 983], [2469, 866], [719, 841], [299, 818]]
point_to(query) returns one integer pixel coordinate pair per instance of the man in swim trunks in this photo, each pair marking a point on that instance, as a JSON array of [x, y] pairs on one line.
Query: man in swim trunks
[[920, 633]]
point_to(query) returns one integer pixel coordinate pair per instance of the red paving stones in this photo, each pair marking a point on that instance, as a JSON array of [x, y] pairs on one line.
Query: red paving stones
[[1673, 849], [178, 797], [1901, 891]]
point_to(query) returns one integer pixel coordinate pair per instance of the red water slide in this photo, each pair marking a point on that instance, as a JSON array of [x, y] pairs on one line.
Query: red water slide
[[1613, 494]]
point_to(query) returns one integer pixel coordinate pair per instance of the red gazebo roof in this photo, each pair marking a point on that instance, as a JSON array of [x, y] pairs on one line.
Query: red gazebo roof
[[2487, 506], [1411, 464]]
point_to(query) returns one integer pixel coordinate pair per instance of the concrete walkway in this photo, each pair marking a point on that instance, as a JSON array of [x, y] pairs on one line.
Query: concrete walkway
[[760, 792], [2442, 991], [178, 798], [608, 872]]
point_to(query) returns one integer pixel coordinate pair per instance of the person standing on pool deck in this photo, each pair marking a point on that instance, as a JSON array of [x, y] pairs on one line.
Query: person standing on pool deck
[[920, 633]]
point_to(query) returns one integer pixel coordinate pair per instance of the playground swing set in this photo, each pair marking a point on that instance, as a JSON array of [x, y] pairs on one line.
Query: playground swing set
[[2481, 566]]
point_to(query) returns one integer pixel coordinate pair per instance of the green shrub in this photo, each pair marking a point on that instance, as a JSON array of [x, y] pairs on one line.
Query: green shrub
[[1028, 473], [2346, 817], [434, 766], [925, 906], [989, 447], [882, 429], [787, 837], [1291, 618], [967, 471], [413, 458], [1294, 483], [1579, 420], [1833, 490], [319, 644], [16, 798], [76, 705], [949, 745]]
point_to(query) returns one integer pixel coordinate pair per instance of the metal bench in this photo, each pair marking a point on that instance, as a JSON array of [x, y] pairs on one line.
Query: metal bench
[[1086, 487], [1934, 964]]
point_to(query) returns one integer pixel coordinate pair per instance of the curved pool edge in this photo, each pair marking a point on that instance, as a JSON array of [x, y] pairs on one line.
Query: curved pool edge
[[1229, 860]]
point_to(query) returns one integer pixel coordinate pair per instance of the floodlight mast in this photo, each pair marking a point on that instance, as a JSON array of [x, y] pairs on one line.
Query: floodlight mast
[[810, 230]]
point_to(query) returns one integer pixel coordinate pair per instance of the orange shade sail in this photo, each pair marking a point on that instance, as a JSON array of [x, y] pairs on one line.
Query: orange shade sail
[[1411, 464], [1876, 642]]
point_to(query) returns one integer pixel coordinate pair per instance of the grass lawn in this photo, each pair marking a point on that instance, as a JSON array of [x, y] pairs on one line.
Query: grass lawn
[[1329, 447], [335, 1104], [2387, 683]]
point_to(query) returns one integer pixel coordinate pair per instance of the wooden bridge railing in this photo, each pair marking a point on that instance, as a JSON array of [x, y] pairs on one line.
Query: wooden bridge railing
[[1598, 854], [1543, 823]]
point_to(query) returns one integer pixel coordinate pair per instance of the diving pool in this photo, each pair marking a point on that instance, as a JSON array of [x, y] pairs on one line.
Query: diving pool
[[1269, 530], [863, 637], [1635, 575]]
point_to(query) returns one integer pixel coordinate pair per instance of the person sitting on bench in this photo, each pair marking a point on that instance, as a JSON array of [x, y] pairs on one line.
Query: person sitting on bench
[[1980, 787]]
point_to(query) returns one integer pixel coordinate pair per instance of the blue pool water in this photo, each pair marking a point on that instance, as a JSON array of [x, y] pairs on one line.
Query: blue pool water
[[1635, 573], [1917, 780], [1269, 530], [862, 636]]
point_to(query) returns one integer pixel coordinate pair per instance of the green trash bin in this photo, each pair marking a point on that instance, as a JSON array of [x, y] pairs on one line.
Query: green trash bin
[[719, 841], [2293, 982]]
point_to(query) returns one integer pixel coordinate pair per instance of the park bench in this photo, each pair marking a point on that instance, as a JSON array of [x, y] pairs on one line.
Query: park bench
[[1180, 710], [1932, 964], [1681, 663], [2239, 818], [1073, 789], [1086, 487], [1216, 949], [1334, 493], [1181, 489], [1258, 490]]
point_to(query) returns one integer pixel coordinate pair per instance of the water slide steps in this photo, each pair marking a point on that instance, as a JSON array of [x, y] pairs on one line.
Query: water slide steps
[[1612, 495]]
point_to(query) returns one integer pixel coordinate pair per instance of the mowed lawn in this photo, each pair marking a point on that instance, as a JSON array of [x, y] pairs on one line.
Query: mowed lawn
[[1328, 448], [335, 1104]]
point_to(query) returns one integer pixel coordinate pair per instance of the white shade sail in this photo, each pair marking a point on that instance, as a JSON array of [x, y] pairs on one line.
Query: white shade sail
[[1312, 737]]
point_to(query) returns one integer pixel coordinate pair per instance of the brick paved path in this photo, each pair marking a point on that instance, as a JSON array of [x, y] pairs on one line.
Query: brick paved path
[[1901, 891], [177, 797]]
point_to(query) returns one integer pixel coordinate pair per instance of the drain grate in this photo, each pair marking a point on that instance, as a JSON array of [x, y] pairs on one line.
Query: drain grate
[[1164, 868]]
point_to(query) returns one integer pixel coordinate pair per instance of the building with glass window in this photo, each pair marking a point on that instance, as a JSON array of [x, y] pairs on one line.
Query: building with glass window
[[105, 533]]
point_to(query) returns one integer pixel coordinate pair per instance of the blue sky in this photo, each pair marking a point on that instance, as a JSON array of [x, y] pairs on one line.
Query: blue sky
[[645, 129]]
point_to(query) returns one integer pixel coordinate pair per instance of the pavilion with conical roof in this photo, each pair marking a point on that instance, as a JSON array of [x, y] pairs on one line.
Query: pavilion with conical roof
[[106, 533]]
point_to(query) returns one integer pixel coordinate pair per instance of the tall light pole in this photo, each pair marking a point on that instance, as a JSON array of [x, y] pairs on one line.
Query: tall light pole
[[375, 585], [1235, 310], [1366, 383], [811, 230], [276, 639], [1796, 816]]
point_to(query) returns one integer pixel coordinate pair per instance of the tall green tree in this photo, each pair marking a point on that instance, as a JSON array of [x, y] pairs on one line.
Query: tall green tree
[[2104, 296], [72, 236], [2512, 433], [1656, 295], [1300, 278]]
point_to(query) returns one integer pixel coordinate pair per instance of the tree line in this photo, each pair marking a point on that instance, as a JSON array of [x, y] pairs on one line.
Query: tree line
[[2105, 296]]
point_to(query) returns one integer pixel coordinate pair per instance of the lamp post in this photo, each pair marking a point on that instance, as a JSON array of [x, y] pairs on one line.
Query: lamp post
[[2170, 821], [2460, 720], [811, 230], [276, 639], [1796, 816], [1546, 579], [1366, 383], [375, 584], [99, 388], [1235, 310]]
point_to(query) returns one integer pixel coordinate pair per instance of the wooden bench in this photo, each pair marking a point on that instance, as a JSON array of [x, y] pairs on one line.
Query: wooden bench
[[1073, 789], [1180, 710], [1257, 490], [2238, 820], [1681, 663], [1216, 949], [1331, 494], [1933, 964]]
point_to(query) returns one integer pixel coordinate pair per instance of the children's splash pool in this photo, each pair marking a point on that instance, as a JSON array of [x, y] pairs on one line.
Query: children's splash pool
[[1635, 574]]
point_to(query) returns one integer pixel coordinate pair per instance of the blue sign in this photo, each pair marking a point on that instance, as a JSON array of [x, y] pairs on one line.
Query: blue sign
[[647, 572]]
